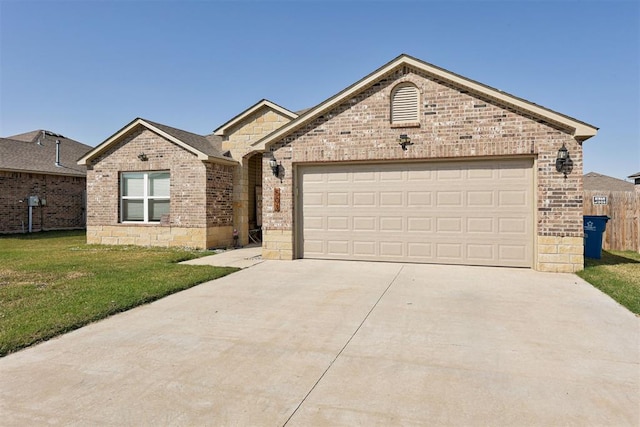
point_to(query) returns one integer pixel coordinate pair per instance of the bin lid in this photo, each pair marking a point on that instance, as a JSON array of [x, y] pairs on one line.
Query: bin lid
[[599, 217]]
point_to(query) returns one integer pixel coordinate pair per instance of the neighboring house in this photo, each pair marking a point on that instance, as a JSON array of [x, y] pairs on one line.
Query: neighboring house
[[412, 163], [636, 180], [41, 185], [598, 182]]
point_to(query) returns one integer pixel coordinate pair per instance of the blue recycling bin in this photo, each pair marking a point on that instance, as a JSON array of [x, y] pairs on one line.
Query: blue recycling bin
[[594, 226]]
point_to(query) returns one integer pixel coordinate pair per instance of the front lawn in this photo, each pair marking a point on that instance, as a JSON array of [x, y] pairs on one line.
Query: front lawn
[[617, 274], [53, 282]]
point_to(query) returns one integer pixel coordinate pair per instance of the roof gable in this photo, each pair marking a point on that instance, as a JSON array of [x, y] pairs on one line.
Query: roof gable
[[204, 148], [262, 104], [580, 130]]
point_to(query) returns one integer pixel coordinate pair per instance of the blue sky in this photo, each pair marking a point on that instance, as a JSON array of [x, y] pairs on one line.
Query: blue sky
[[87, 68]]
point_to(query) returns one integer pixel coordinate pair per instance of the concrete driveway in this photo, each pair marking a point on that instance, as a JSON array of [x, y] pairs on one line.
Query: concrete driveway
[[343, 343]]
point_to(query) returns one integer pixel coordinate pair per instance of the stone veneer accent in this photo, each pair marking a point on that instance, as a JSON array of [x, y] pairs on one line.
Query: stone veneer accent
[[454, 124], [560, 254], [201, 207], [238, 140], [154, 235], [277, 244]]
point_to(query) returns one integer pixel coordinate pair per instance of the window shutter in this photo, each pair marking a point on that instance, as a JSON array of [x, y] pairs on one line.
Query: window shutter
[[404, 107]]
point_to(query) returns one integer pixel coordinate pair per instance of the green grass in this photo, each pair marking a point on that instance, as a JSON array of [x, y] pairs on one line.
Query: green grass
[[617, 274], [53, 282]]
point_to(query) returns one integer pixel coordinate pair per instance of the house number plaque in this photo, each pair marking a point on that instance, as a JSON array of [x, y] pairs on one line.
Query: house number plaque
[[599, 200], [276, 200]]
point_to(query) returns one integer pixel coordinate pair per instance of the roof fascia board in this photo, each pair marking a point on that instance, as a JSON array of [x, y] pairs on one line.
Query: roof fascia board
[[200, 154], [102, 147], [246, 113], [77, 174], [581, 130]]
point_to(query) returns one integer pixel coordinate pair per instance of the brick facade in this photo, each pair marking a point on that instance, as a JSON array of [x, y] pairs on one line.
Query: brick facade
[[201, 207], [454, 124], [64, 195]]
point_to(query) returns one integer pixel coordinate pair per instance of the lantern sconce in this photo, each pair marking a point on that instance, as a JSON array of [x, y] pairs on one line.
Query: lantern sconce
[[275, 167], [404, 141], [564, 164], [143, 157]]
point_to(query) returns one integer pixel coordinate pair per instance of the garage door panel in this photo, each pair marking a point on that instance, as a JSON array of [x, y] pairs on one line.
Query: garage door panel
[[314, 199], [392, 199], [366, 199], [419, 224], [451, 252], [449, 225], [362, 248], [513, 198], [419, 250], [477, 252], [480, 199], [477, 213], [391, 224], [512, 225], [419, 198], [481, 225], [391, 249], [338, 223]]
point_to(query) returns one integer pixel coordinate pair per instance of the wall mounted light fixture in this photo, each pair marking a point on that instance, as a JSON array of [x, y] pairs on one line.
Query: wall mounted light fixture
[[275, 167], [143, 157], [404, 141], [564, 164]]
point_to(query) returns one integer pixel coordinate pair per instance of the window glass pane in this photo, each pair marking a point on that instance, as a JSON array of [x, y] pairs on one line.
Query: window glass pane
[[133, 184], [157, 208], [133, 210], [159, 184]]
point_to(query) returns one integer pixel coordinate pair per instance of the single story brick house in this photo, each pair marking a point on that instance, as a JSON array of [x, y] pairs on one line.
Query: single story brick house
[[412, 163], [41, 185]]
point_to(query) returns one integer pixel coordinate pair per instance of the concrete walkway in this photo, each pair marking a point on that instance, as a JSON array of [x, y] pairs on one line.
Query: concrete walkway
[[241, 258], [306, 343]]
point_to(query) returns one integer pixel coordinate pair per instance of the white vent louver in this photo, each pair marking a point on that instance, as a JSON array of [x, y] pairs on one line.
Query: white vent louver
[[404, 107]]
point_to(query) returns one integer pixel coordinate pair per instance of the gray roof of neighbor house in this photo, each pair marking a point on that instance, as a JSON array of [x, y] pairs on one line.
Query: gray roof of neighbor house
[[598, 182], [35, 152], [635, 175], [207, 148]]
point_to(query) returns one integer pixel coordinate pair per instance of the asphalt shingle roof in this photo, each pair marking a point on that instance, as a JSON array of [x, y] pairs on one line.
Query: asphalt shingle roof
[[598, 182], [210, 145], [35, 151]]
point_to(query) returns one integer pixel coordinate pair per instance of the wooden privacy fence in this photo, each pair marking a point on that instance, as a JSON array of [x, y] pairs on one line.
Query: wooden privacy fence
[[623, 207]]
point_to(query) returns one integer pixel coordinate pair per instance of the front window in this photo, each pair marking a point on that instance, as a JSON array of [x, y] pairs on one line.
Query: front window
[[145, 196]]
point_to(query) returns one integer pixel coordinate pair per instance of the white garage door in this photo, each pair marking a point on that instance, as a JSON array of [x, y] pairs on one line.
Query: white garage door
[[472, 212]]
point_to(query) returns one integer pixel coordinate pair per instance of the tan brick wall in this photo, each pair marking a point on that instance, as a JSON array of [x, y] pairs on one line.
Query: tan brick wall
[[453, 124], [64, 195], [200, 193]]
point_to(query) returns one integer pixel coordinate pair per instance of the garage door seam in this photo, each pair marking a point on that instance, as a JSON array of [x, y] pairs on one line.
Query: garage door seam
[[345, 346]]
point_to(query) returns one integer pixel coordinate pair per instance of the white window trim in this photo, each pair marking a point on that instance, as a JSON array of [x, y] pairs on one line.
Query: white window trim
[[145, 197]]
